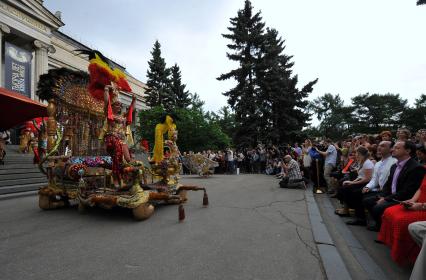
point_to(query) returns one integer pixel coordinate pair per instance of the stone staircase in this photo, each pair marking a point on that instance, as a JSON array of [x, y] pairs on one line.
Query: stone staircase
[[19, 174]]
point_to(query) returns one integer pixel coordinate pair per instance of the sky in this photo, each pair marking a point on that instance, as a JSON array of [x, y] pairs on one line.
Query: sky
[[352, 47]]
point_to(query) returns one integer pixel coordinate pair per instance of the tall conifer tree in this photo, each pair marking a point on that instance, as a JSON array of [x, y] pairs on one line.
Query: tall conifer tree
[[283, 104], [158, 93], [247, 31], [181, 97], [267, 103]]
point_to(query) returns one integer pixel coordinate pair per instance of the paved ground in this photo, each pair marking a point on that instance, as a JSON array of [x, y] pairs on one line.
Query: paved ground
[[378, 252], [251, 230]]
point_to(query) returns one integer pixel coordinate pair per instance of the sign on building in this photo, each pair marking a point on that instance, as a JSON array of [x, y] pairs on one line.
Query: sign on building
[[17, 66]]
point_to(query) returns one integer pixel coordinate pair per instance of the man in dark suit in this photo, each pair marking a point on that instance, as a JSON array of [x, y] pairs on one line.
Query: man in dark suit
[[403, 181]]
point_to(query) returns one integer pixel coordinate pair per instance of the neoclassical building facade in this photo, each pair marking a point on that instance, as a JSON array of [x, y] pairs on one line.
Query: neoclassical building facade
[[31, 43]]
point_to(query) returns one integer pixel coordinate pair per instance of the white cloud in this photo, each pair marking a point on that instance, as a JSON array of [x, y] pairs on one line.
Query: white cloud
[[352, 47]]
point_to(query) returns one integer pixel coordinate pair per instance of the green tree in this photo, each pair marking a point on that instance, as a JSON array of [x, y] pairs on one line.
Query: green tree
[[196, 102], [374, 112], [268, 105], [246, 34], [181, 97], [414, 118], [281, 103], [225, 118], [336, 118], [195, 133], [158, 82]]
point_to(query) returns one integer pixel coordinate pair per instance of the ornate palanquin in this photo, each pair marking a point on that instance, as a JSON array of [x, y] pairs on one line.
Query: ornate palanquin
[[76, 165]]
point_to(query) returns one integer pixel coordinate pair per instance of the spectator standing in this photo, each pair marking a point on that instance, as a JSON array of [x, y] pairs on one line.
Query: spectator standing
[[317, 174], [240, 161], [403, 134], [298, 150], [262, 158], [230, 161], [4, 138], [306, 158], [330, 158]]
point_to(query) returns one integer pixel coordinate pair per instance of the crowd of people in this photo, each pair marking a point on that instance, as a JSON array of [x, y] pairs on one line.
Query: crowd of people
[[383, 179], [260, 159], [380, 180]]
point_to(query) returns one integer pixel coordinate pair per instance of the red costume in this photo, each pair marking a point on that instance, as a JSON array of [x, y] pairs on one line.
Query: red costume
[[394, 230]]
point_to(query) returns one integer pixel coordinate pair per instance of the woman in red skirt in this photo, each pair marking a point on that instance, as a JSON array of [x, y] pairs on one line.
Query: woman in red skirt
[[394, 229]]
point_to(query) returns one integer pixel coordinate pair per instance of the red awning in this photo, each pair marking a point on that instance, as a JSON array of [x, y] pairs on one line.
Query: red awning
[[16, 108]]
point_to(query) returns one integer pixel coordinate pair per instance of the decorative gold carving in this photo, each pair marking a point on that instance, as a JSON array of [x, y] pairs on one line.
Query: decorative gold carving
[[23, 17], [51, 124], [4, 28], [43, 46]]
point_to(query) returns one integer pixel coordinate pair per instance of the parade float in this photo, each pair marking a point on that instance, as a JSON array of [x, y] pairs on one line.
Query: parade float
[[199, 164], [88, 138]]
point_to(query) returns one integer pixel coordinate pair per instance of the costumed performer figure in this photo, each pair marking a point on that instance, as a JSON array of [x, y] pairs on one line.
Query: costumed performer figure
[[167, 125], [105, 84], [116, 132]]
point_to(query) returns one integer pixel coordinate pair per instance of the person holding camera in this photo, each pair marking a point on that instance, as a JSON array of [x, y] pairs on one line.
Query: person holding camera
[[291, 171]]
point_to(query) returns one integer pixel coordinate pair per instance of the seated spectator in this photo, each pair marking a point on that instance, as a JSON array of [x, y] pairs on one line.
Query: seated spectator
[[421, 138], [418, 232], [394, 229], [381, 169], [403, 134], [291, 172], [386, 135], [372, 151], [350, 193], [421, 155], [404, 180], [378, 180]]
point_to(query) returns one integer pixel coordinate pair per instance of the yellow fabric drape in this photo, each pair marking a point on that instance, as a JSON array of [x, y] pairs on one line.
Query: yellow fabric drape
[[160, 129]]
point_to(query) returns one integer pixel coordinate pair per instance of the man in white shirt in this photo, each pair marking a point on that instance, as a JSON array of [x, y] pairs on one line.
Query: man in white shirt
[[230, 160], [378, 180], [381, 169]]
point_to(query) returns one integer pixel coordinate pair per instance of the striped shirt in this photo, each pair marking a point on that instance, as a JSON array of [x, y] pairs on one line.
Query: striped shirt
[[293, 170]]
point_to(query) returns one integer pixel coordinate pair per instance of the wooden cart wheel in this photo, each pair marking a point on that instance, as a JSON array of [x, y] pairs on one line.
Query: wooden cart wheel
[[143, 211], [81, 208], [44, 202]]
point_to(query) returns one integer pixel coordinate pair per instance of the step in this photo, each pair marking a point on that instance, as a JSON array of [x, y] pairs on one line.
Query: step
[[18, 194], [17, 166], [25, 175], [19, 171], [12, 148], [13, 182], [18, 156], [21, 188], [360, 264]]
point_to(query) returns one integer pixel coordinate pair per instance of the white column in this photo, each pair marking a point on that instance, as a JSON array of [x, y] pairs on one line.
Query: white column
[[4, 29], [41, 60]]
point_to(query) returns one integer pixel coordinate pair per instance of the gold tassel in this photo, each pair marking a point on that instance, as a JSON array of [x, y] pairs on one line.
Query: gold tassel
[[205, 199], [181, 213]]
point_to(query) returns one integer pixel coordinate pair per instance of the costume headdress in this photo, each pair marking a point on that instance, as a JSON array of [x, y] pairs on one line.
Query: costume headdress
[[102, 73]]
